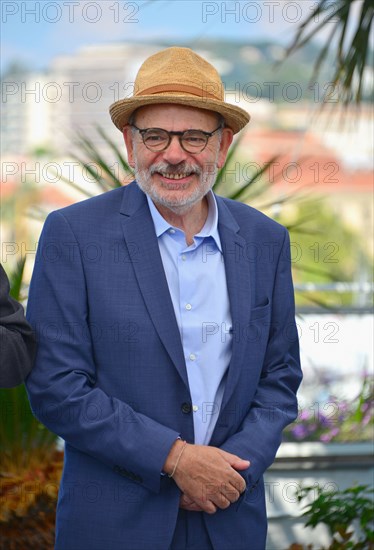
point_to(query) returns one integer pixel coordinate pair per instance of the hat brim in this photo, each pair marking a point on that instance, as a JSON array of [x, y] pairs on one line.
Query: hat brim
[[235, 117]]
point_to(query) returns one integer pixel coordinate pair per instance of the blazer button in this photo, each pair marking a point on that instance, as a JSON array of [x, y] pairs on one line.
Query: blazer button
[[186, 408]]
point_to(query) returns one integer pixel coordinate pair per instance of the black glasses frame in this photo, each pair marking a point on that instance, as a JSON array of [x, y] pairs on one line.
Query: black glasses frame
[[180, 135]]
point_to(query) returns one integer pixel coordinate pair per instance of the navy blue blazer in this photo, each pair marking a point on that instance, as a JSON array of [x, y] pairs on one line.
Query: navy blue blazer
[[110, 376]]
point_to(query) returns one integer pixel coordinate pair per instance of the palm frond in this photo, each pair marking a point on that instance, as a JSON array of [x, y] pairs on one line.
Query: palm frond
[[118, 155], [94, 162], [245, 189], [91, 161], [223, 171], [350, 55]]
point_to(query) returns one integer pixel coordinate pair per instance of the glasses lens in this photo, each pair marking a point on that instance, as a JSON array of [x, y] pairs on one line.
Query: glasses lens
[[156, 140], [194, 141]]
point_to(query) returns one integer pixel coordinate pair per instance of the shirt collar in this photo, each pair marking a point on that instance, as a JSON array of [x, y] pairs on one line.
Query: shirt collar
[[210, 228]]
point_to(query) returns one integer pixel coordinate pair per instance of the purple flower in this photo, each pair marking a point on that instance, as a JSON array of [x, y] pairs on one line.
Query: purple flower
[[304, 415], [328, 437], [368, 416], [336, 419], [324, 420], [299, 431]]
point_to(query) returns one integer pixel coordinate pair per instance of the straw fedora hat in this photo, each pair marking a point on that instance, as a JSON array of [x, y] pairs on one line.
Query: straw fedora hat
[[180, 76]]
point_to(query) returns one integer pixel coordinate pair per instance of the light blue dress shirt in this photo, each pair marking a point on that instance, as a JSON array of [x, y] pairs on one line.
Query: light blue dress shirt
[[197, 284]]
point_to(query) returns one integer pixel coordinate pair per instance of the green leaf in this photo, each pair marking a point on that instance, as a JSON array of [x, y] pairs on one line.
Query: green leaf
[[15, 279], [349, 55]]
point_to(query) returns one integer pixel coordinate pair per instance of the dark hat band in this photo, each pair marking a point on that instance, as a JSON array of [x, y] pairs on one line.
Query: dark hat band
[[202, 92]]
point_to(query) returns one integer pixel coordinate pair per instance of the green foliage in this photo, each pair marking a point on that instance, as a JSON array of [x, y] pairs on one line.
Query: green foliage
[[15, 279], [324, 250], [246, 189], [350, 53], [24, 441], [348, 514], [105, 178]]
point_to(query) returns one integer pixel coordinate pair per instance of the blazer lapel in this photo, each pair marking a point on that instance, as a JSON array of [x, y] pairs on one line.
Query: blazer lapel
[[238, 284], [141, 241]]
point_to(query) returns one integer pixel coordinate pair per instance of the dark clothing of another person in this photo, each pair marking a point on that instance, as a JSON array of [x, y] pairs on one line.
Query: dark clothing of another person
[[17, 342]]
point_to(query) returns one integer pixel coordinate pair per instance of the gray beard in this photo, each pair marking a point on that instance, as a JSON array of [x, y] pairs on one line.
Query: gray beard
[[177, 205]]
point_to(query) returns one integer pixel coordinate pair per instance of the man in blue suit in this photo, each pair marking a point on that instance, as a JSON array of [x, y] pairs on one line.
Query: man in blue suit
[[168, 353]]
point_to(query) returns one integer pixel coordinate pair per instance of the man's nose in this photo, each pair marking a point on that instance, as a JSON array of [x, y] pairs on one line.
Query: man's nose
[[175, 152]]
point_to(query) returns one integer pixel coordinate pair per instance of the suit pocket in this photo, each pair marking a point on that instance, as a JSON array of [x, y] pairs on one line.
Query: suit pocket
[[260, 311]]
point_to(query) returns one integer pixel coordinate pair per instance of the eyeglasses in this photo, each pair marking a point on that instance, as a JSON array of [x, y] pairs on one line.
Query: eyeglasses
[[158, 139]]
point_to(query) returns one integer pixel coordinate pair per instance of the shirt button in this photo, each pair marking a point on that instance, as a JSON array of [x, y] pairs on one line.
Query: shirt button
[[195, 408], [188, 307], [192, 356], [186, 408], [184, 257], [171, 231]]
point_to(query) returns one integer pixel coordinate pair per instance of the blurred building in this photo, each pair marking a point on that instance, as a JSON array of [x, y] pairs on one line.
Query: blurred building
[[44, 111], [92, 80], [25, 115]]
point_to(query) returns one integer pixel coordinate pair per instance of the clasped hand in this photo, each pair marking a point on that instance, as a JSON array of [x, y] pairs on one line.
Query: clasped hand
[[208, 478]]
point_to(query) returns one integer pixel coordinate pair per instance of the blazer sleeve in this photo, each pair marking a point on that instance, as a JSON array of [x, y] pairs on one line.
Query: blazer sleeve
[[62, 386], [16, 338], [275, 404]]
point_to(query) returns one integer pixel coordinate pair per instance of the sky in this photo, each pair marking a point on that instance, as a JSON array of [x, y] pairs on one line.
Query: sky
[[34, 32]]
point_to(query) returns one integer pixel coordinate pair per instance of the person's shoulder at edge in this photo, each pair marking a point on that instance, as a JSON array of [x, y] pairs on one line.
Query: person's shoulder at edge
[[16, 338]]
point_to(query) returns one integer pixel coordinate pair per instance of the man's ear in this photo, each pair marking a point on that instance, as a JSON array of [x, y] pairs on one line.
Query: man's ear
[[127, 136], [226, 140]]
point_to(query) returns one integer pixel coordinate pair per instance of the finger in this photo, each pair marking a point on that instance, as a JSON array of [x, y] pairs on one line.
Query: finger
[[189, 504], [222, 501], [216, 495], [235, 461], [232, 489], [240, 464], [236, 481], [186, 501], [209, 507], [192, 507], [231, 492], [196, 504]]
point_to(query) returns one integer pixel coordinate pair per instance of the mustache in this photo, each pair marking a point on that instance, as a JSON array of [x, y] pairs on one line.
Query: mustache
[[180, 168]]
